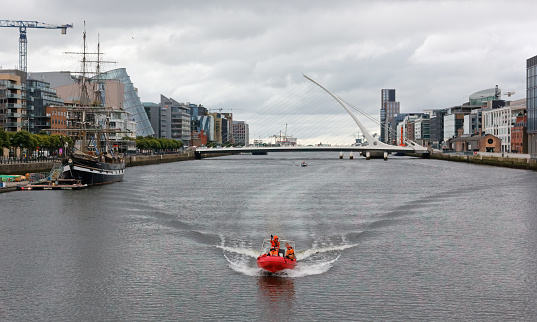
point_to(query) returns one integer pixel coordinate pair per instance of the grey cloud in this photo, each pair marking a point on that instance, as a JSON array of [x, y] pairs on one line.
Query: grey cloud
[[434, 53]]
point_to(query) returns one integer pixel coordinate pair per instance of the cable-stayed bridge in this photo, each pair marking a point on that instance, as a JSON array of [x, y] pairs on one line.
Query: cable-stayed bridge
[[332, 125]]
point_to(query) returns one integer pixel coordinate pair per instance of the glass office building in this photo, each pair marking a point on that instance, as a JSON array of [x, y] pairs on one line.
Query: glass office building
[[531, 101], [39, 96], [131, 101]]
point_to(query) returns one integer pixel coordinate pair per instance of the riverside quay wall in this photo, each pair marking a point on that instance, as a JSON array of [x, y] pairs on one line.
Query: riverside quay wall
[[508, 161], [130, 161], [135, 160]]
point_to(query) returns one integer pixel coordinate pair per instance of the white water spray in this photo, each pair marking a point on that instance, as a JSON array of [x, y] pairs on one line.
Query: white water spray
[[305, 267], [301, 255]]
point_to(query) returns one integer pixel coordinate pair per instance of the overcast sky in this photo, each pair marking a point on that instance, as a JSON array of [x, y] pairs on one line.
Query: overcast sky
[[240, 54]]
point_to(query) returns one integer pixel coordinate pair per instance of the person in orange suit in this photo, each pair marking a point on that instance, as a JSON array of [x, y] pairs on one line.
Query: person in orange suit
[[290, 252], [275, 242]]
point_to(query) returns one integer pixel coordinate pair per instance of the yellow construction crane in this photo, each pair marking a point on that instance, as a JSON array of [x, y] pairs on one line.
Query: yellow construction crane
[[23, 41]]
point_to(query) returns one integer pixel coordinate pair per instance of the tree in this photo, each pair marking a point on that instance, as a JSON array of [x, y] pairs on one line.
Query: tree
[[25, 140], [154, 143], [4, 141], [55, 142], [43, 141], [212, 144], [142, 143]]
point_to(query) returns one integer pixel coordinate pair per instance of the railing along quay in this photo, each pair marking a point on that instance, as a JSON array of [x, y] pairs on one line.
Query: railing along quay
[[12, 160]]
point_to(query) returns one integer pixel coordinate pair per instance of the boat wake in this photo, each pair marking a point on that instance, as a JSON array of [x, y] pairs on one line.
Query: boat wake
[[241, 250], [301, 255], [312, 261]]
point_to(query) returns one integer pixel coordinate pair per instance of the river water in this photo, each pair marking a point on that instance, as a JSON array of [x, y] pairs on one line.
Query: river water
[[406, 239]]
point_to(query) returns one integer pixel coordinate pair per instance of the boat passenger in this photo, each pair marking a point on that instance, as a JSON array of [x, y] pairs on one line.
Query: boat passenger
[[290, 251], [273, 252], [275, 243]]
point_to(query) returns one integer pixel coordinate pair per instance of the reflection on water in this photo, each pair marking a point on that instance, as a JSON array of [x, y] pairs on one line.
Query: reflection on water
[[276, 296]]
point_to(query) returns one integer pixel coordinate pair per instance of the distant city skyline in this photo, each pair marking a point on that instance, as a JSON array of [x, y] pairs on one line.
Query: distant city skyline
[[241, 54]]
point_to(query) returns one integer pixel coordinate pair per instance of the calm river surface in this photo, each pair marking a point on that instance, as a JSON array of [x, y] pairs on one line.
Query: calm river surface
[[407, 239]]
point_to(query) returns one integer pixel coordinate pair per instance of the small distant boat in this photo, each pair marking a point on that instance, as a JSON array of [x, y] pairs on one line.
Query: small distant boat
[[304, 164], [275, 263]]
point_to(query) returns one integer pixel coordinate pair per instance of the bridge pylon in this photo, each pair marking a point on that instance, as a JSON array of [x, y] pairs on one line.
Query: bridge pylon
[[379, 146]]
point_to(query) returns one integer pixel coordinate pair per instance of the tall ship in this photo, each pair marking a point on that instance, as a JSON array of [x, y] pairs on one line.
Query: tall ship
[[91, 158]]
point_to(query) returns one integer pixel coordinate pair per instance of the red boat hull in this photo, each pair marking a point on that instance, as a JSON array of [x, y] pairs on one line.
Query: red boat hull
[[275, 264]]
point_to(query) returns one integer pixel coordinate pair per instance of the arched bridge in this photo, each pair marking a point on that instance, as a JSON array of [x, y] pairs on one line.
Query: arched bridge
[[374, 148]]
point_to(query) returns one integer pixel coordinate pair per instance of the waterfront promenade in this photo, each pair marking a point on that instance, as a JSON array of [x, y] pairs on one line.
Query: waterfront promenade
[[45, 166]]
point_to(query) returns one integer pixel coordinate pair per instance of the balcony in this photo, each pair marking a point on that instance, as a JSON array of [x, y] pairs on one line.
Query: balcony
[[13, 124], [13, 115], [17, 96], [11, 85]]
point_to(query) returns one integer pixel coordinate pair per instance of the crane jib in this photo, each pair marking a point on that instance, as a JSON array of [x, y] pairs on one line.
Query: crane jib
[[22, 25]]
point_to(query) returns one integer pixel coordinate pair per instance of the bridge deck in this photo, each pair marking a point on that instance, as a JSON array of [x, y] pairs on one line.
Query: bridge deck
[[311, 149]]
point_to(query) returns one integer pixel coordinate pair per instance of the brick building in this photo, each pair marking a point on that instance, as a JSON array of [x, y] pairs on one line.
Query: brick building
[[519, 137], [485, 143]]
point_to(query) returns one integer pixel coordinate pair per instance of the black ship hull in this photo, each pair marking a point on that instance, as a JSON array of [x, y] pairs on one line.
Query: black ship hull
[[93, 172]]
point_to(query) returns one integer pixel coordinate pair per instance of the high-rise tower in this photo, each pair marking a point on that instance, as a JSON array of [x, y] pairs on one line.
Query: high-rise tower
[[388, 109]]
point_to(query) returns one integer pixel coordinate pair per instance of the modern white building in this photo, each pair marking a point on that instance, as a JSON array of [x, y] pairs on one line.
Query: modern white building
[[471, 124], [499, 122], [422, 130], [403, 126]]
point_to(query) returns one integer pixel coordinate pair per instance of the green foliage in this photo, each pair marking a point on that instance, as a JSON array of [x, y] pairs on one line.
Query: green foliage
[[30, 142], [212, 144], [4, 139], [151, 143], [25, 140], [55, 142]]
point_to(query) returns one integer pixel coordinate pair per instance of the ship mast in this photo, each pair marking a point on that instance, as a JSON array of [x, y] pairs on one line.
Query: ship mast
[[92, 129], [84, 96]]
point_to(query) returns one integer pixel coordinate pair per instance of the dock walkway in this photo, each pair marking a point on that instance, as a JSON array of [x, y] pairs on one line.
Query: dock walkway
[[12, 186]]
